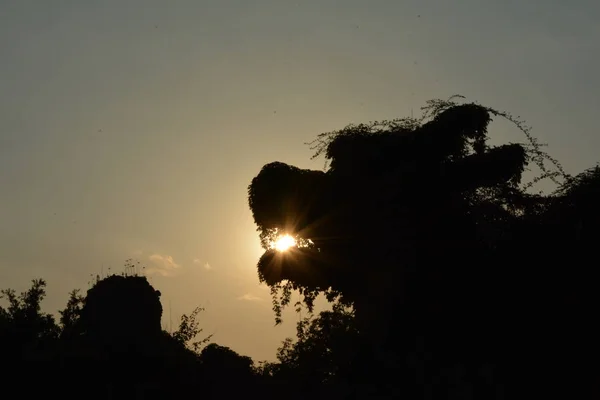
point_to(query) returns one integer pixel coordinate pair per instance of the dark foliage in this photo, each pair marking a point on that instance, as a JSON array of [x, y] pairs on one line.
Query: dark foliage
[[109, 344], [448, 276], [448, 258]]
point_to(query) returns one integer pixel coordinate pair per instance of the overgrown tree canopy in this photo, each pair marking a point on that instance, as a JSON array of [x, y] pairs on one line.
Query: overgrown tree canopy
[[422, 223], [394, 190]]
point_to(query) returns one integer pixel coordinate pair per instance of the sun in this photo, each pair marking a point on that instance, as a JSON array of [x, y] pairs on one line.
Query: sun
[[284, 243]]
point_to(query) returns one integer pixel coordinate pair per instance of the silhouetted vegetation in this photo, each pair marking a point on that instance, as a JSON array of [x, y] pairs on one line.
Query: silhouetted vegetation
[[462, 278], [449, 274]]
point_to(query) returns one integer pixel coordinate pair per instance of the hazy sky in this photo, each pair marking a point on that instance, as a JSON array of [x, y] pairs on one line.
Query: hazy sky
[[133, 128]]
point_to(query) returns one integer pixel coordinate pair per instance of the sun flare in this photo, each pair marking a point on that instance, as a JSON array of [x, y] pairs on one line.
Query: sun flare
[[284, 243]]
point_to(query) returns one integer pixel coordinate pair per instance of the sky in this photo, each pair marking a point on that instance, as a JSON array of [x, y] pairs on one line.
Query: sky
[[132, 128]]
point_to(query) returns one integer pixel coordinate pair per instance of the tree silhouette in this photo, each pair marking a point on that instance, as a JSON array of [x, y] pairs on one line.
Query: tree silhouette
[[323, 356], [394, 191], [109, 344], [25, 327], [24, 316], [119, 333], [27, 337], [122, 306], [221, 367], [449, 275], [188, 330], [422, 225], [69, 317]]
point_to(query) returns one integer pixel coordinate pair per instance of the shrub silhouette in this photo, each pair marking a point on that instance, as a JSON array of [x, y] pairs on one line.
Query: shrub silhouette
[[124, 307]]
